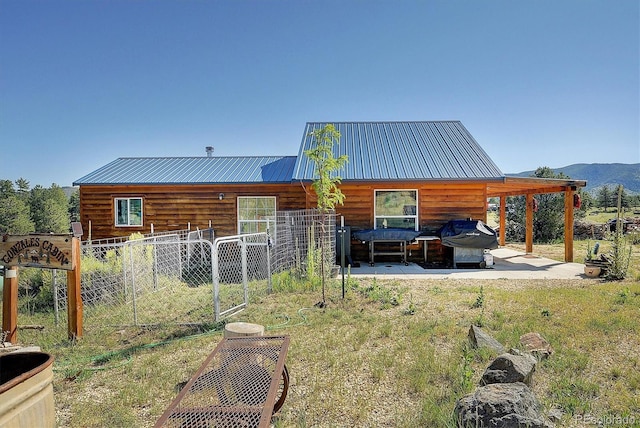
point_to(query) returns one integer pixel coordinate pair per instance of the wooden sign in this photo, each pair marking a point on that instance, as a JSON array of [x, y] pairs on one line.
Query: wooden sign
[[40, 251]]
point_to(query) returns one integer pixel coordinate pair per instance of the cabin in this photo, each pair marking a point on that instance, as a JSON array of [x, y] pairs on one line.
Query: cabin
[[414, 175]]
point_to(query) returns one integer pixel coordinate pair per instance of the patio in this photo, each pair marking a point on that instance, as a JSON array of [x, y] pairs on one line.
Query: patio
[[508, 263]]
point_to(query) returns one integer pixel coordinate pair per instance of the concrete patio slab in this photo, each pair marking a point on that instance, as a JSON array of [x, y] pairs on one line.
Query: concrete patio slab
[[508, 263]]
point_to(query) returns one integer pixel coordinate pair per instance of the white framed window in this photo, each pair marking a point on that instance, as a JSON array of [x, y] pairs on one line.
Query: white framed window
[[396, 208], [128, 212], [256, 214]]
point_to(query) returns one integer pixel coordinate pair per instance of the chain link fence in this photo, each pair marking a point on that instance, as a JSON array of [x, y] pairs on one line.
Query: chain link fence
[[171, 278], [185, 277]]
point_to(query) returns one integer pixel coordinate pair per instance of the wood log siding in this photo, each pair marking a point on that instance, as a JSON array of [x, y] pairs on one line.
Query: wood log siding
[[438, 202], [173, 207]]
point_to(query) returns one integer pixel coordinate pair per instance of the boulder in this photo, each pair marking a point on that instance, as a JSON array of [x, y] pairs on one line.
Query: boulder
[[501, 405], [481, 339], [509, 368], [536, 345]]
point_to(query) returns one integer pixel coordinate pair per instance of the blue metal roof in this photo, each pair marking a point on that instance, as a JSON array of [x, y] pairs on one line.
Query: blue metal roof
[[388, 151], [377, 151], [193, 170]]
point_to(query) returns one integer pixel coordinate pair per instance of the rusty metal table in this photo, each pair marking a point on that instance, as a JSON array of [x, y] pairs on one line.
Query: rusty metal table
[[240, 384]]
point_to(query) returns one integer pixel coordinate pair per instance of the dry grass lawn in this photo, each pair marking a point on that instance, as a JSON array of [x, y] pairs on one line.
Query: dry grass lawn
[[393, 353]]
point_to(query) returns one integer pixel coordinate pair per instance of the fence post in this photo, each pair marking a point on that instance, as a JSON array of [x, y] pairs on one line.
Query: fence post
[[215, 273], [133, 286], [245, 280], [56, 308], [269, 284], [155, 263], [74, 295], [10, 304], [342, 255]]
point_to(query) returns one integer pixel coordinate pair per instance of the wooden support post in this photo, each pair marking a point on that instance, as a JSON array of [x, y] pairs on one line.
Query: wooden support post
[[10, 304], [568, 225], [528, 240], [503, 220], [74, 297]]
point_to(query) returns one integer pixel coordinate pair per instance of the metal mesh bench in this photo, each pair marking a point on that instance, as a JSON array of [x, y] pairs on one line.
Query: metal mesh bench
[[242, 383]]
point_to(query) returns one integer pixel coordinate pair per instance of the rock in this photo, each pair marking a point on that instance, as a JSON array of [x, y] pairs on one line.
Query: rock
[[480, 339], [501, 405], [537, 345], [514, 351], [555, 415], [509, 368]]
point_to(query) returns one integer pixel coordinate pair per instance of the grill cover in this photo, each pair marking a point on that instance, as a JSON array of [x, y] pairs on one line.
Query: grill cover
[[468, 234], [393, 234]]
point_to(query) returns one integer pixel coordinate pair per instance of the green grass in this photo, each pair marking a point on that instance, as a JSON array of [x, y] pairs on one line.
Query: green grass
[[392, 353], [359, 362]]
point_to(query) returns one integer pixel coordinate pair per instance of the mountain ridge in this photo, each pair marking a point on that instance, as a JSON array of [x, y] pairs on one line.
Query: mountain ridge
[[598, 175]]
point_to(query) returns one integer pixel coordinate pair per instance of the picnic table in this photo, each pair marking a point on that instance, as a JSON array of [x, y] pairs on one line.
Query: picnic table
[[243, 382]]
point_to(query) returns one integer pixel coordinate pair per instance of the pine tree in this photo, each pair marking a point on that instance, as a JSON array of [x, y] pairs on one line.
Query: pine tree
[[604, 197]]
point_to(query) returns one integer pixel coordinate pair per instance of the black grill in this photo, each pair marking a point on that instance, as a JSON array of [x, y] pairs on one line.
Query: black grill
[[469, 239]]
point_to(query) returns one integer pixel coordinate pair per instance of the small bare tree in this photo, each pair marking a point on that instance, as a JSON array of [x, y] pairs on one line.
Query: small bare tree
[[621, 253], [326, 182]]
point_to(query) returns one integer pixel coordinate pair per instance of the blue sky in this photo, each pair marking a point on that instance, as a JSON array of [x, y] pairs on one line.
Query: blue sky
[[537, 83]]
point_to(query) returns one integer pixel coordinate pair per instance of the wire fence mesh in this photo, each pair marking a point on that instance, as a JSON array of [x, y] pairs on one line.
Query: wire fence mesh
[[182, 277], [302, 240], [242, 266], [178, 278]]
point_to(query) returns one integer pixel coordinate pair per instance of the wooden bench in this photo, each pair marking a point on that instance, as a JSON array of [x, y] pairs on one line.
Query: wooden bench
[[243, 382]]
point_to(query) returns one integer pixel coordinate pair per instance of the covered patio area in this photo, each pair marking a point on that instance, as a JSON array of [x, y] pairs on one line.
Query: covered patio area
[[529, 187]]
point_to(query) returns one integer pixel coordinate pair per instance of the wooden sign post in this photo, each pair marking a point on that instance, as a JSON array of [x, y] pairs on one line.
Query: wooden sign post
[[40, 251], [74, 297], [10, 304]]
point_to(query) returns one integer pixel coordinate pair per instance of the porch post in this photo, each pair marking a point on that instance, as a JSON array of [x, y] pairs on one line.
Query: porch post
[[568, 225], [528, 239]]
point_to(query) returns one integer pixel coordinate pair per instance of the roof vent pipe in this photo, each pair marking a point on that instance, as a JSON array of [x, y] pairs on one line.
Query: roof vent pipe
[[209, 150]]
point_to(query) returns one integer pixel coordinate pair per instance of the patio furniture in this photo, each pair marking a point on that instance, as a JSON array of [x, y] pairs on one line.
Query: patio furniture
[[394, 242], [425, 239]]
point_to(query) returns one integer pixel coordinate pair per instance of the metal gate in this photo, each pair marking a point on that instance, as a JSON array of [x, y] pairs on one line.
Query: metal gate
[[241, 268]]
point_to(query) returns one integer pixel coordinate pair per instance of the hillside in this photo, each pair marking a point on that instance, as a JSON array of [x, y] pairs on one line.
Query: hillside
[[600, 174]]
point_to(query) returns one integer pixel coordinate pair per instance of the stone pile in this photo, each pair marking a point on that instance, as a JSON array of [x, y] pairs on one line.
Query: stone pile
[[504, 398]]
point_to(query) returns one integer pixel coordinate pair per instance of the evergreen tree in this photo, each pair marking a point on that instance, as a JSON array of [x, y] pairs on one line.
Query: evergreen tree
[[37, 198], [14, 216], [74, 206], [23, 189], [604, 197], [49, 209], [6, 189], [587, 200], [56, 217]]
